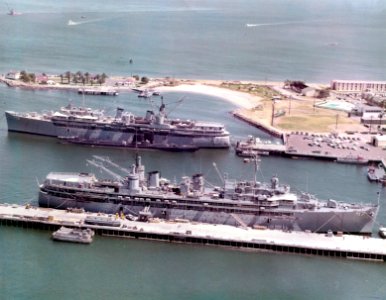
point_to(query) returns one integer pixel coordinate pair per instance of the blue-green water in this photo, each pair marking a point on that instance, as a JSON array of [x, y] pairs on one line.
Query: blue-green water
[[310, 40]]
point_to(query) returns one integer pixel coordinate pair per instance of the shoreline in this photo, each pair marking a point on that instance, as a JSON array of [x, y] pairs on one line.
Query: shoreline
[[199, 86], [253, 105]]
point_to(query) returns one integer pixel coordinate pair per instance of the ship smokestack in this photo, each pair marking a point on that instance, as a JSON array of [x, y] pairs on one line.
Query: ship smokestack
[[153, 180], [149, 116], [118, 114], [133, 180], [274, 182], [140, 169], [198, 183], [185, 185]]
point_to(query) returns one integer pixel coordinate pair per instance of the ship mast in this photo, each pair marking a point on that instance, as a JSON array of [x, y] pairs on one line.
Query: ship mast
[[255, 159]]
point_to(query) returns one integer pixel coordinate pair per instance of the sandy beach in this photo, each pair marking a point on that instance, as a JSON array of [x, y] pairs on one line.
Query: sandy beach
[[240, 99]]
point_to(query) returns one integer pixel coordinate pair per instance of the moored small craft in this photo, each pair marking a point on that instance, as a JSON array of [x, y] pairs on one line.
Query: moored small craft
[[73, 235], [352, 159], [102, 92], [376, 174], [382, 232], [102, 220]]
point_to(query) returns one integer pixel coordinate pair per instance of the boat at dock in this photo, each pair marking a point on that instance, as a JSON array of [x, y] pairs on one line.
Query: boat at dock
[[254, 146], [146, 93], [382, 232], [352, 159], [82, 125], [74, 235], [103, 221], [376, 174], [238, 203], [103, 92]]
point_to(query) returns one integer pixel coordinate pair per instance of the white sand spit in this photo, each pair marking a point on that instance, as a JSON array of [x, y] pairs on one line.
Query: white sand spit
[[239, 99]]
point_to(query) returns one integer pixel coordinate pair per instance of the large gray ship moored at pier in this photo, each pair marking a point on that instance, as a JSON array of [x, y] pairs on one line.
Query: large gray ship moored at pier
[[92, 127], [242, 203]]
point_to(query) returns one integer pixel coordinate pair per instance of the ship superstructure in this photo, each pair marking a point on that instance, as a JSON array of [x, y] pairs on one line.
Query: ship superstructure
[[242, 203], [92, 127]]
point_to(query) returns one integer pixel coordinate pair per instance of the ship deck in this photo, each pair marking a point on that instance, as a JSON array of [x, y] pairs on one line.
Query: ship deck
[[182, 231]]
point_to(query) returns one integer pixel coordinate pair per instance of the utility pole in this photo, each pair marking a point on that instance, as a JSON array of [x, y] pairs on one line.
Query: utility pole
[[273, 112], [336, 121]]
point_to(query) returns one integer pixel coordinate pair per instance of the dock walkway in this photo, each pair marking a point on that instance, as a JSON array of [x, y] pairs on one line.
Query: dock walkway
[[255, 239]]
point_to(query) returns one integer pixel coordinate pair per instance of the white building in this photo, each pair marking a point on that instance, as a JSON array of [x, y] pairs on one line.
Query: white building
[[373, 115], [13, 75], [379, 141], [358, 86]]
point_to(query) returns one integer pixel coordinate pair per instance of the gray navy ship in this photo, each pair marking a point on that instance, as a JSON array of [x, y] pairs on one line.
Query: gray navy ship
[[238, 203], [87, 126]]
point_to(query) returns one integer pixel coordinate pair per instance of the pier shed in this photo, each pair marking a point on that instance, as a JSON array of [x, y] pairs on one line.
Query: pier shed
[[379, 141]]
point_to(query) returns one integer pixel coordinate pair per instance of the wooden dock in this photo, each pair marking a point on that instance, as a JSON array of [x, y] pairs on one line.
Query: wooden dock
[[182, 231]]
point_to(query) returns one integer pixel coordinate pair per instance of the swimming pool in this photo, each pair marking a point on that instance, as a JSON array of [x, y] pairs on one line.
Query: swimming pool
[[336, 105]]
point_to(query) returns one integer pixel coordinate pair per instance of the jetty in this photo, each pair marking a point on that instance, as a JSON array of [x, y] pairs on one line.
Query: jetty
[[264, 127], [182, 231]]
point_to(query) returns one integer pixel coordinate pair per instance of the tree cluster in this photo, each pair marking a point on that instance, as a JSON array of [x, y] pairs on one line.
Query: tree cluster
[[84, 78], [27, 77]]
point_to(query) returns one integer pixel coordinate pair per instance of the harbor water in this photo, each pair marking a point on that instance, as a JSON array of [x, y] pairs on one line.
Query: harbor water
[[192, 39]]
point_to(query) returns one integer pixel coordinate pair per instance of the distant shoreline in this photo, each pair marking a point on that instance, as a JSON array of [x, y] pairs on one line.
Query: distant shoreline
[[206, 87]]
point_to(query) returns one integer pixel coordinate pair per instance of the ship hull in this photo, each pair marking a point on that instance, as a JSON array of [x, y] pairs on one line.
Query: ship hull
[[31, 126], [128, 137], [312, 220]]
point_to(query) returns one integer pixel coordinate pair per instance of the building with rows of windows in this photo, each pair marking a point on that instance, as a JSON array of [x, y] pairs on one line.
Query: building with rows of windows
[[358, 86]]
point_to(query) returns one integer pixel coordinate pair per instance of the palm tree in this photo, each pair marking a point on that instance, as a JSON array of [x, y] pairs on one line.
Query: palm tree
[[87, 76], [79, 76], [68, 76], [97, 78], [104, 77], [32, 77]]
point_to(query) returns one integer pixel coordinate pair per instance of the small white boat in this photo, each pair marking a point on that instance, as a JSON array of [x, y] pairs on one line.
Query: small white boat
[[73, 235], [145, 94], [382, 232]]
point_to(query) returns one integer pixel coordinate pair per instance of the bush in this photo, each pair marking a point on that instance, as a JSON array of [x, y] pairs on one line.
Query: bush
[[144, 80]]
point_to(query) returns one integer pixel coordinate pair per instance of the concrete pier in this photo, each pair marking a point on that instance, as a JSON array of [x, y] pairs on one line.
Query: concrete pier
[[182, 231], [342, 148]]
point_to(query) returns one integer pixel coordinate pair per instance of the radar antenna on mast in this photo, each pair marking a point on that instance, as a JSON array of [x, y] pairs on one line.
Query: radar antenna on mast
[[108, 161], [103, 168]]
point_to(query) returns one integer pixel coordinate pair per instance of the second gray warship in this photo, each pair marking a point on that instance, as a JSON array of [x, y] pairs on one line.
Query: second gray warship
[[88, 126]]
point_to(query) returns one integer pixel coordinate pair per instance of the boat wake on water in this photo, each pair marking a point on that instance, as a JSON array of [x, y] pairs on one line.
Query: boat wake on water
[[75, 23], [276, 24]]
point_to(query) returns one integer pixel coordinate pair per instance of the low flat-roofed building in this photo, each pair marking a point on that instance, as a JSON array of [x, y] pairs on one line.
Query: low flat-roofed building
[[13, 75], [358, 86], [379, 141]]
